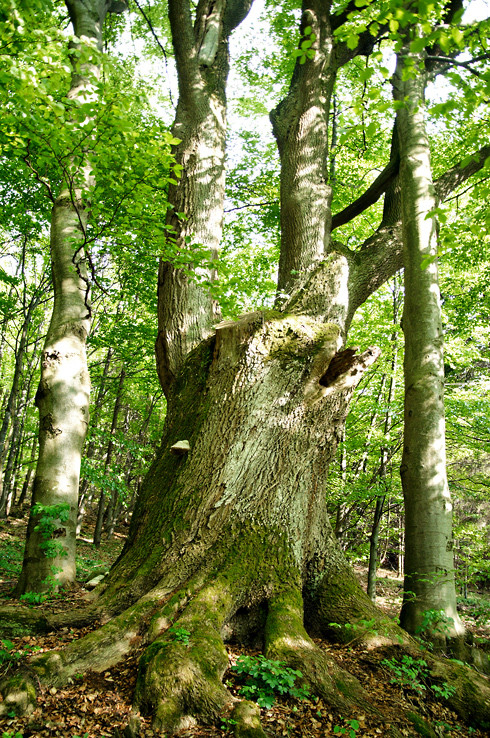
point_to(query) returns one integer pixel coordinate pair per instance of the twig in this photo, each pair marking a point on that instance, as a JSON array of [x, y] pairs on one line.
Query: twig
[[155, 36]]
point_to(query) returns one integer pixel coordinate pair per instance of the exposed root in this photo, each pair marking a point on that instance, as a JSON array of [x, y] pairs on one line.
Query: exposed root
[[471, 696], [287, 640], [21, 621], [339, 610], [181, 671], [247, 718], [99, 650], [19, 695]]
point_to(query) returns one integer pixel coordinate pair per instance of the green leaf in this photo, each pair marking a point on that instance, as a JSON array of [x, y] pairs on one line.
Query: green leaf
[[353, 41]]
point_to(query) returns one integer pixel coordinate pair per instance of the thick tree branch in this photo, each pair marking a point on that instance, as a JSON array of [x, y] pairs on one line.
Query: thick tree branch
[[380, 256], [236, 11], [370, 196], [183, 41], [454, 177]]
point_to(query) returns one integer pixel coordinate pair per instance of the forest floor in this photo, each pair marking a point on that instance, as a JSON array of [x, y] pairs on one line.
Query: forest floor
[[97, 705]]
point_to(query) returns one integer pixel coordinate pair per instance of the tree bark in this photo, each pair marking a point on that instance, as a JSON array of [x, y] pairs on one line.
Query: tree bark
[[380, 500], [63, 393], [429, 583], [186, 308]]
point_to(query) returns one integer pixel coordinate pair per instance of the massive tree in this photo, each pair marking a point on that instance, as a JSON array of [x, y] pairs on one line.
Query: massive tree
[[230, 537]]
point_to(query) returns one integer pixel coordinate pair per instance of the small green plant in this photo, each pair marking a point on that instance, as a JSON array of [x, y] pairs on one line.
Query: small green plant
[[11, 557], [266, 678], [408, 672], [227, 723], [8, 734], [414, 674], [9, 654], [33, 598], [357, 630], [434, 623], [350, 728], [444, 690], [50, 518], [177, 633]]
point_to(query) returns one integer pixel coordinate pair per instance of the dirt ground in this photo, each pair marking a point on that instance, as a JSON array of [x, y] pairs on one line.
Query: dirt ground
[[98, 704]]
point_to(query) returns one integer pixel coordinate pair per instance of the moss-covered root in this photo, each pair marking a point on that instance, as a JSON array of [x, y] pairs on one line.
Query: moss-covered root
[[246, 717], [18, 695], [98, 650], [471, 696], [338, 609], [287, 640], [180, 673]]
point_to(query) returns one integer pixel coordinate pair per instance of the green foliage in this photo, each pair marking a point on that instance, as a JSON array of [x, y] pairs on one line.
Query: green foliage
[[357, 630], [10, 654], [305, 50], [227, 723], [33, 598], [478, 608], [178, 633], [11, 554], [350, 727], [265, 679], [414, 674], [49, 519], [434, 623]]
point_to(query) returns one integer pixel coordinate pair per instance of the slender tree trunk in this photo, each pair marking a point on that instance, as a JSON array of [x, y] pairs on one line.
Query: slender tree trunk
[[108, 459], [90, 451], [373, 548], [186, 308], [380, 501], [63, 393], [27, 478], [429, 566], [14, 390], [17, 437]]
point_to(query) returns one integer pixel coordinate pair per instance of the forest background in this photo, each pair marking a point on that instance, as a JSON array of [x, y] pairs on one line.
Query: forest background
[[128, 237]]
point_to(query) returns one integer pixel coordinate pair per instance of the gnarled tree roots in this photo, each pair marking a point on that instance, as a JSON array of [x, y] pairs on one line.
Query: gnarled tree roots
[[184, 659]]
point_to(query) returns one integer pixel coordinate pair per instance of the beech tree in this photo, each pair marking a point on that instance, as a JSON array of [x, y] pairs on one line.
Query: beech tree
[[429, 584], [230, 536], [64, 388]]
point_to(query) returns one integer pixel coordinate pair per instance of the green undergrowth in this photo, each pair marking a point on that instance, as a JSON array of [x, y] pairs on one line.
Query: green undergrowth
[[12, 541], [264, 679]]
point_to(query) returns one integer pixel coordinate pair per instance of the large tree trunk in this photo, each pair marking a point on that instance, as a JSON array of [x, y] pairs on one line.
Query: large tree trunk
[[429, 586], [64, 388], [231, 539], [230, 536]]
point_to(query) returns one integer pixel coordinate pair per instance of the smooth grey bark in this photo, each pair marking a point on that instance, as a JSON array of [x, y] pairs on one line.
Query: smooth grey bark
[[63, 393], [13, 397], [429, 583]]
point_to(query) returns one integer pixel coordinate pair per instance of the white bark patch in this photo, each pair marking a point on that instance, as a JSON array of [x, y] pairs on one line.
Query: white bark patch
[[210, 42]]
